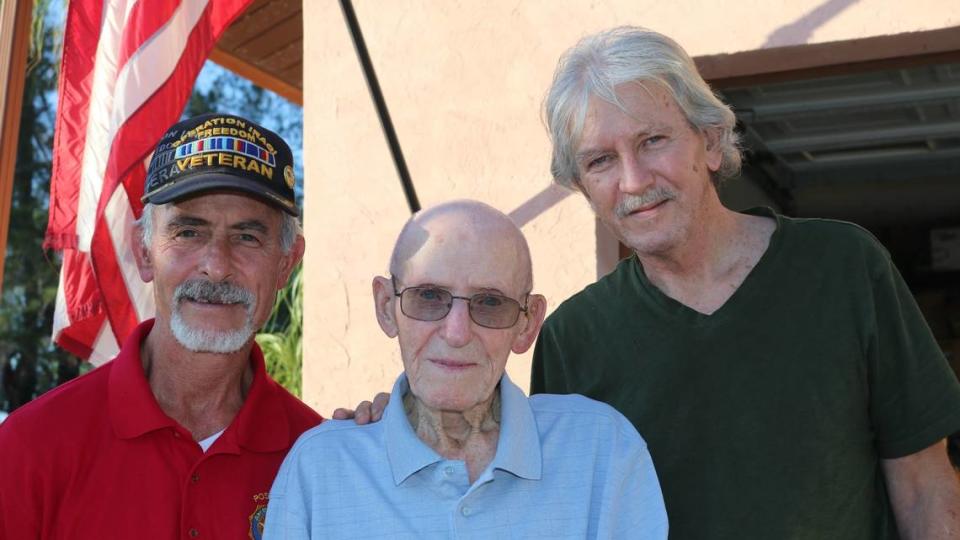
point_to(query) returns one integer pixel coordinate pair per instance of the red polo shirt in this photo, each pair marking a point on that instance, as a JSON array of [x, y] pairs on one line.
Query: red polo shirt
[[98, 458]]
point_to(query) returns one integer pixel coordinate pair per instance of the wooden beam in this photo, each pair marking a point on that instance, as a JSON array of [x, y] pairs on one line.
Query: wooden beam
[[16, 17], [795, 62], [257, 76]]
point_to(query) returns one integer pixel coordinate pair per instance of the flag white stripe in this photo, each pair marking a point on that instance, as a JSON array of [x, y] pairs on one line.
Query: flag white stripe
[[105, 346], [119, 216], [61, 317], [99, 133]]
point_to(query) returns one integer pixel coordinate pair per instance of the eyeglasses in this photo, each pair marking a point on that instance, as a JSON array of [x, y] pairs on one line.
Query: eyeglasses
[[434, 303]]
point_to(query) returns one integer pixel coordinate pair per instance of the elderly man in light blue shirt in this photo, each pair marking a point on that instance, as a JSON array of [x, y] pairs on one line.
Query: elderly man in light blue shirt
[[462, 452]]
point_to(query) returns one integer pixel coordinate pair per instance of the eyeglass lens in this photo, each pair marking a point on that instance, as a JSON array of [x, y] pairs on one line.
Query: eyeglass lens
[[433, 304]]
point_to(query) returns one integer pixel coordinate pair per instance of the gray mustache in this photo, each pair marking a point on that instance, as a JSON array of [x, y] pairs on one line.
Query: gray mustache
[[201, 290], [629, 203]]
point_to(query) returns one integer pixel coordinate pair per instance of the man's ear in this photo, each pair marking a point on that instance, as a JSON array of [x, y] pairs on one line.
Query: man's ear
[[711, 137], [290, 261], [141, 254], [383, 300], [536, 311]]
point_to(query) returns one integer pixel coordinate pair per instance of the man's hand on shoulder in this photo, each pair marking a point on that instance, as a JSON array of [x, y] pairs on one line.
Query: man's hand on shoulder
[[366, 412]]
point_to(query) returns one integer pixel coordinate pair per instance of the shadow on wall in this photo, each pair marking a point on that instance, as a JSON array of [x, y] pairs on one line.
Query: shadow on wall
[[802, 29], [538, 204]]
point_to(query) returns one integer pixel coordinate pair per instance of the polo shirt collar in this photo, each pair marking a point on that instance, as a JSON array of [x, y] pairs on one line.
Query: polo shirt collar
[[406, 453], [261, 425], [518, 447], [132, 407]]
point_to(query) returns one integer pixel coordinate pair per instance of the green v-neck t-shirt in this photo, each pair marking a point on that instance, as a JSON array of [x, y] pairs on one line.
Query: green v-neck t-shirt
[[769, 417]]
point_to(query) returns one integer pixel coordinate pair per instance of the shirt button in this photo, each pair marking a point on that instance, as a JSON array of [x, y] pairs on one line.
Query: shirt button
[[194, 533], [448, 471], [195, 478], [466, 511]]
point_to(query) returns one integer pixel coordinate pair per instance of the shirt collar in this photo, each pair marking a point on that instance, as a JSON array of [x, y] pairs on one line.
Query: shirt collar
[[518, 447], [261, 424], [405, 451], [133, 408]]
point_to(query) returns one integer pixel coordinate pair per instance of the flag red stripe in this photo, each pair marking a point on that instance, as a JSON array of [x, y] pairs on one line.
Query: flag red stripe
[[119, 308], [82, 33]]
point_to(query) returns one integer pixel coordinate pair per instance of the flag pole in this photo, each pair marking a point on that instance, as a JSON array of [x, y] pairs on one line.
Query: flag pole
[[377, 94]]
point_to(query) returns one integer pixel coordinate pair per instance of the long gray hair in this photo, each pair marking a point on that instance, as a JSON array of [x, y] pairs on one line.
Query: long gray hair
[[597, 64]]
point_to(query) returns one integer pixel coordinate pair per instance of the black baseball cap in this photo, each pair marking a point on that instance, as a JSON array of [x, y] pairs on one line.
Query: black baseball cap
[[213, 152]]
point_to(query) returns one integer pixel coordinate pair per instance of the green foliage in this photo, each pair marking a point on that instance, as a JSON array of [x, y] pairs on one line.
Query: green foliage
[[29, 362], [282, 336]]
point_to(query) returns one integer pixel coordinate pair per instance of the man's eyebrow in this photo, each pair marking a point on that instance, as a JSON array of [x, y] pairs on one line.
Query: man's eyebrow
[[250, 225], [490, 290], [187, 221], [587, 155]]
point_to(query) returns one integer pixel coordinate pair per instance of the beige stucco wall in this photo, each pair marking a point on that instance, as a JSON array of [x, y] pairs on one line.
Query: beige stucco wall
[[464, 82]]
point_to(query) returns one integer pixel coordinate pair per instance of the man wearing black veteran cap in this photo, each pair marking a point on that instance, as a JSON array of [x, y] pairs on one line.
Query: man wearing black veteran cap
[[182, 433]]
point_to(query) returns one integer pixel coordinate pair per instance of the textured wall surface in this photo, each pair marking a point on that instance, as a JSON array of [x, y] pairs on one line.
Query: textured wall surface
[[464, 82]]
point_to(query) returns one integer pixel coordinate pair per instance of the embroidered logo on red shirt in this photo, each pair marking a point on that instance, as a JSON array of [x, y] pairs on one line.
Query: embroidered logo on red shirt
[[259, 515]]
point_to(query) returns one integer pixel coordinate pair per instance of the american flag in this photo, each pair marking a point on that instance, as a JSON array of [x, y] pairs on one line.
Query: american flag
[[128, 69]]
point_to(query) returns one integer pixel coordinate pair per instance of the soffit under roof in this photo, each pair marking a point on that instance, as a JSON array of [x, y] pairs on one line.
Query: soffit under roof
[[849, 141], [265, 45]]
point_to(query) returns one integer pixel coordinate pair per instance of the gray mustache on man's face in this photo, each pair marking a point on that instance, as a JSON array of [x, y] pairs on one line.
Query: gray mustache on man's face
[[201, 290], [630, 203]]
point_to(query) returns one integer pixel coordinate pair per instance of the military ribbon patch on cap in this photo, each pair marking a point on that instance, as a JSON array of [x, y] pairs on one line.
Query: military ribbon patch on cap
[[221, 152], [226, 152]]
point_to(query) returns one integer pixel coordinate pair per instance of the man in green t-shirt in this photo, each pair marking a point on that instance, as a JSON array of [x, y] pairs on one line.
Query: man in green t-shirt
[[779, 368]]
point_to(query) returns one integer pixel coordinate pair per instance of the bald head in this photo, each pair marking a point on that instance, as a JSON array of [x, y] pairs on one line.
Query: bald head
[[468, 230]]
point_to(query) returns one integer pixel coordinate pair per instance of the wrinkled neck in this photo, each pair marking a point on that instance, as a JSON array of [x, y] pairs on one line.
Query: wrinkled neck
[[470, 436]]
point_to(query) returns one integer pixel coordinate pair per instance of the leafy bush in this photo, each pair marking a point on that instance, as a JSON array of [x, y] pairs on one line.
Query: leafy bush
[[282, 336]]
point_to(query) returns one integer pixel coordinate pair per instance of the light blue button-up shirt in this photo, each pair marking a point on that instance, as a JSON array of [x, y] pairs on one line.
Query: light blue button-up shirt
[[565, 467]]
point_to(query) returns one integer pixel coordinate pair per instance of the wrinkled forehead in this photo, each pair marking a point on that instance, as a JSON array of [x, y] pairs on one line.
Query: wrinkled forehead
[[221, 204], [627, 98], [464, 259]]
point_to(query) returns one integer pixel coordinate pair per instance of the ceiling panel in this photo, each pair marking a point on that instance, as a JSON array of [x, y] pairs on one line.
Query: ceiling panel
[[861, 131], [265, 45]]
